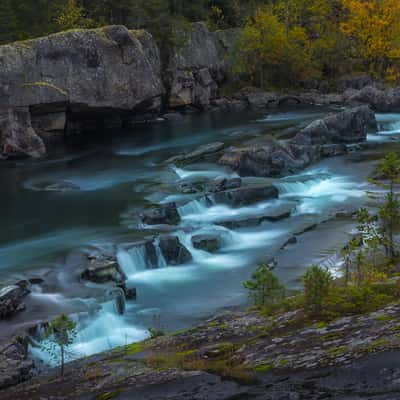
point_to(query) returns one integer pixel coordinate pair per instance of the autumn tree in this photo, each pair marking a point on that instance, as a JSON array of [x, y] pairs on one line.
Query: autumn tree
[[373, 26]]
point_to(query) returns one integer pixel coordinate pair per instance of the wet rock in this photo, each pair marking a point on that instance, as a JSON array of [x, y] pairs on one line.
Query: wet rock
[[333, 150], [291, 240], [11, 299], [383, 100], [349, 126], [209, 242], [173, 251], [15, 366], [17, 137], [220, 184], [257, 98], [163, 214], [273, 214], [272, 160], [246, 195], [58, 186], [200, 153], [173, 116], [103, 269]]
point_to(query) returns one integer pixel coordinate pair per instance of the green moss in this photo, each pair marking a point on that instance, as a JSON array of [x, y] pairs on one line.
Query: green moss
[[110, 395], [45, 84], [186, 353], [321, 325], [375, 345], [134, 348], [338, 351], [264, 368], [383, 318], [283, 363]]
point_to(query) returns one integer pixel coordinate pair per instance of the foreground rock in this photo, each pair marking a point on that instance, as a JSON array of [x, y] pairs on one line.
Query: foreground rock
[[103, 269], [11, 299], [349, 126], [250, 356], [272, 160], [15, 367]]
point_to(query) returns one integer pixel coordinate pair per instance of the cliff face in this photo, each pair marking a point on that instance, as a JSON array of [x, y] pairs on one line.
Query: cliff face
[[73, 80]]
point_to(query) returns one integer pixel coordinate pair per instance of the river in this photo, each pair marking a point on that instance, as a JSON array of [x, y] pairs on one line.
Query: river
[[43, 232]]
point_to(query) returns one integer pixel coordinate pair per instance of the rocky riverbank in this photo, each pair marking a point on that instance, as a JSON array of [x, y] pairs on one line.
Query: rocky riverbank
[[101, 79], [241, 355]]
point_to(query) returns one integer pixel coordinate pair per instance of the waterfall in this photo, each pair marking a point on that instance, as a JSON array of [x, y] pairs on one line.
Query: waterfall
[[132, 260], [161, 263], [192, 208], [297, 188]]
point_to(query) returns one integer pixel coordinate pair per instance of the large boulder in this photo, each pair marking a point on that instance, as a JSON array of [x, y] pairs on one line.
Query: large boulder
[[103, 269], [383, 100], [11, 299], [207, 242], [101, 71], [161, 215], [349, 126], [271, 160]]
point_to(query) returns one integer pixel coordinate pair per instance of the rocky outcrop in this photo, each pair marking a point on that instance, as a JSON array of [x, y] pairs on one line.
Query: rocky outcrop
[[64, 79], [173, 251], [349, 126], [11, 299], [160, 215], [201, 152], [272, 160], [380, 99], [196, 68], [15, 367]]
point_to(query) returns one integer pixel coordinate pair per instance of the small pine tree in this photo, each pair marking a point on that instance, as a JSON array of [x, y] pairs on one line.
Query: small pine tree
[[317, 286], [72, 16], [389, 212], [61, 333], [264, 287]]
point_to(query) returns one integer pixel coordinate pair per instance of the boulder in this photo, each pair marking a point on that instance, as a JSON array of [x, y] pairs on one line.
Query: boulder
[[257, 98], [91, 73], [173, 251], [160, 215], [210, 243], [271, 160], [246, 195], [103, 269], [380, 99], [11, 299], [349, 126]]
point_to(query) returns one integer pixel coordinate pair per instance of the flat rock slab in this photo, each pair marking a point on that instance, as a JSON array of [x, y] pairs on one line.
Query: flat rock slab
[[273, 214]]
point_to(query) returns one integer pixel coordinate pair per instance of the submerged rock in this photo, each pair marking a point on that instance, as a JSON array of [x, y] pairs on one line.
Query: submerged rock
[[207, 242], [221, 183], [198, 154]]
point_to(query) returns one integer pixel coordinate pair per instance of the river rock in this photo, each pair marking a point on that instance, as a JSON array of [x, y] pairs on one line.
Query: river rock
[[271, 160], [207, 242], [103, 269], [221, 183], [349, 126], [257, 98], [197, 154], [383, 100], [11, 299], [273, 214], [173, 251], [162, 214], [246, 195]]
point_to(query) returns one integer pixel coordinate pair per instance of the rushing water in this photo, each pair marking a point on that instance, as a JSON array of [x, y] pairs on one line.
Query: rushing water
[[43, 231]]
